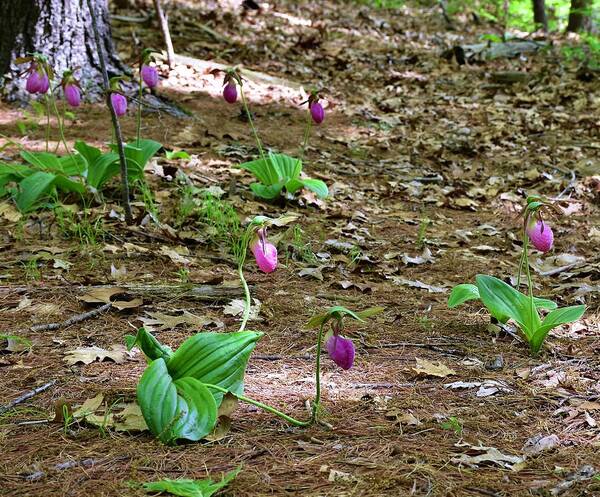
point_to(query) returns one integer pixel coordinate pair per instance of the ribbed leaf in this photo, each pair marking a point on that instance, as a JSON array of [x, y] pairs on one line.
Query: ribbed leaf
[[552, 320], [68, 185], [504, 302], [288, 168], [264, 171], [32, 189], [150, 346], [268, 192], [317, 186], [175, 409], [462, 293], [215, 358], [137, 156]]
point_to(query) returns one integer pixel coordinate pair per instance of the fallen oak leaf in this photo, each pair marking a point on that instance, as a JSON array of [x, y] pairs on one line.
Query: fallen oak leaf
[[105, 295], [167, 321], [87, 355]]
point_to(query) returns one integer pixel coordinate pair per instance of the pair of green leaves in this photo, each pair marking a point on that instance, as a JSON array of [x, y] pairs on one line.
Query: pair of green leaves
[[184, 487], [504, 303], [278, 171], [174, 392], [338, 312]]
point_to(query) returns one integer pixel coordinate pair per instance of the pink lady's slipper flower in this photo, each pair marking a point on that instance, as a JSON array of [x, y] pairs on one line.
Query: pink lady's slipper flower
[[119, 103], [341, 351], [34, 80], [150, 76], [264, 252], [44, 84], [317, 112], [541, 235], [230, 92], [72, 94]]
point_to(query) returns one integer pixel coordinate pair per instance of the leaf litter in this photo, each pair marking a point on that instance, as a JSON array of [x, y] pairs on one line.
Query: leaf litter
[[419, 138]]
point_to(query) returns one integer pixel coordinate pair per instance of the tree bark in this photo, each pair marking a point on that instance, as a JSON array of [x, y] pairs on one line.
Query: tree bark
[[539, 14], [579, 15], [62, 31]]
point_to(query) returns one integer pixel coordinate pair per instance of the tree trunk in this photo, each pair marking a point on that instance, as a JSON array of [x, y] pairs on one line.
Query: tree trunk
[[62, 31], [579, 15], [539, 14]]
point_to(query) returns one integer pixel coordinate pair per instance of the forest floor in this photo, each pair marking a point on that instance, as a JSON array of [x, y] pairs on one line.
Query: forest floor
[[428, 163]]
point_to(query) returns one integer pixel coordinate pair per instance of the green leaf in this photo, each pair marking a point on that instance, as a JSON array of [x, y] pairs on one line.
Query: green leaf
[[462, 293], [294, 185], [42, 160], [150, 346], [544, 303], [88, 152], [267, 192], [137, 156], [106, 167], [371, 311], [174, 409], [317, 186], [72, 165], [552, 320], [68, 185], [180, 154], [215, 358], [504, 302], [288, 168], [191, 488], [32, 189], [264, 171], [100, 167], [338, 312]]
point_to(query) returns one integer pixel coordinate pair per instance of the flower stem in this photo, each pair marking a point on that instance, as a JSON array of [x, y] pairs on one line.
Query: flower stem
[[265, 407], [139, 112], [61, 129], [47, 122], [317, 401], [247, 302], [251, 122], [240, 251], [307, 129]]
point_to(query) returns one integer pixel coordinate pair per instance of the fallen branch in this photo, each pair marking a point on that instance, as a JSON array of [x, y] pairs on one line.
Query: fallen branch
[[72, 320], [25, 396], [453, 352]]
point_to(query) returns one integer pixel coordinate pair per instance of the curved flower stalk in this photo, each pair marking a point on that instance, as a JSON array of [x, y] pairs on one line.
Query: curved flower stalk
[[231, 81], [148, 75], [265, 252], [340, 349], [39, 77]]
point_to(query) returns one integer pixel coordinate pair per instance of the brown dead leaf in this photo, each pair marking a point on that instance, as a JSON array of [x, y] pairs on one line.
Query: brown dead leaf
[[87, 355], [106, 295], [428, 368], [160, 321]]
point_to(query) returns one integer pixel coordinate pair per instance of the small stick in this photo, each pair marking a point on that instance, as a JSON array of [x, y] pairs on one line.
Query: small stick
[[25, 396], [72, 320], [163, 20]]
